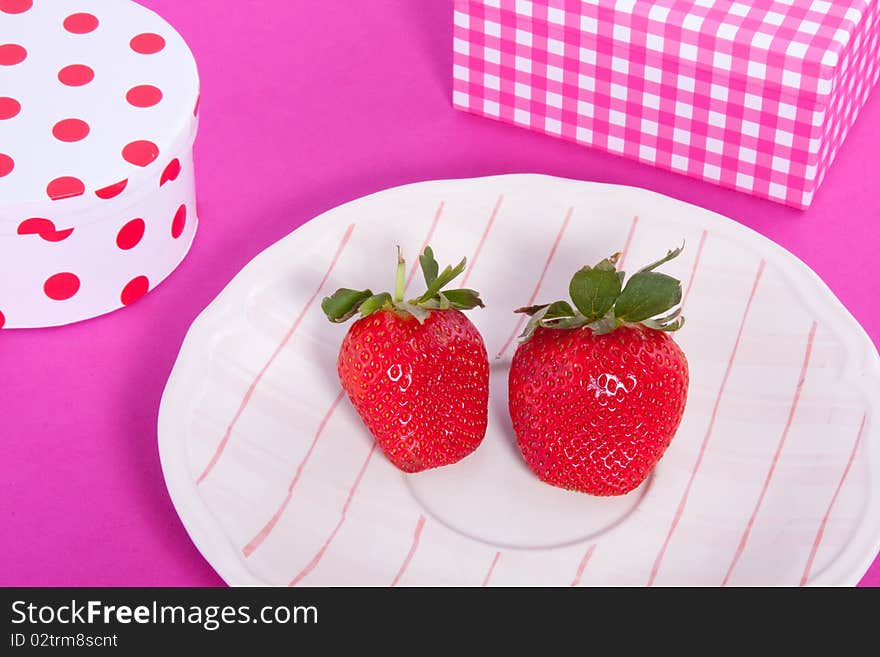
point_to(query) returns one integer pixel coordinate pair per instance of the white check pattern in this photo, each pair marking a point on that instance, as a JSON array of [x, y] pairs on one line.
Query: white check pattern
[[757, 97]]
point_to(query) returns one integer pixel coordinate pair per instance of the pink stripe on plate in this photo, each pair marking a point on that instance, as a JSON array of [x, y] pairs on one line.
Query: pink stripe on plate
[[774, 462], [696, 265], [491, 569], [412, 551], [320, 554], [261, 536], [819, 534], [629, 238], [537, 289], [684, 498], [476, 255], [583, 565], [218, 452], [415, 265]]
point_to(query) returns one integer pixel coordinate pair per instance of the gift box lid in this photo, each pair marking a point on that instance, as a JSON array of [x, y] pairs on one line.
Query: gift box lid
[[778, 48], [95, 97]]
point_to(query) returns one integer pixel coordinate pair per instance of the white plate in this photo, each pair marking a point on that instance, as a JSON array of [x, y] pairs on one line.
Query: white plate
[[772, 478]]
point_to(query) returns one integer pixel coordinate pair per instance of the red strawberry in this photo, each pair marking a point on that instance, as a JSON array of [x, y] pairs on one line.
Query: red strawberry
[[416, 371], [597, 391]]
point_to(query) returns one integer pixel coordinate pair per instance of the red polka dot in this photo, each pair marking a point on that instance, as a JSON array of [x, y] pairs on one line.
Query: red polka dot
[[70, 130], [12, 54], [144, 95], [65, 187], [81, 23], [130, 234], [171, 172], [61, 286], [9, 107], [76, 75], [140, 153], [2, 319], [7, 164], [134, 290], [15, 6], [45, 228], [111, 190], [147, 43], [179, 222]]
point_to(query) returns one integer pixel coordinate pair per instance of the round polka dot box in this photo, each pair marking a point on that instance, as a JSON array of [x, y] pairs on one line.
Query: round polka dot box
[[98, 113]]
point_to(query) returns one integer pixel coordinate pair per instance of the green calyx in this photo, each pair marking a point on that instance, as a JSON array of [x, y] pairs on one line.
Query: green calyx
[[603, 303], [345, 303]]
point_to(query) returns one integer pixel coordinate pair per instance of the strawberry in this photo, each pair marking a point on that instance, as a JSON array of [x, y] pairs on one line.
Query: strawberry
[[597, 390], [416, 371]]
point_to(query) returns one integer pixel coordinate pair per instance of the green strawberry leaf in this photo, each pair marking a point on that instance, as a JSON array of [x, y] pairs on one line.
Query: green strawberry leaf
[[608, 264], [668, 318], [430, 268], [531, 310], [603, 303], [374, 303], [664, 326], [556, 315], [558, 310], [670, 322], [419, 312], [533, 323], [463, 298], [442, 280], [594, 289], [555, 309], [646, 295], [343, 304], [674, 253]]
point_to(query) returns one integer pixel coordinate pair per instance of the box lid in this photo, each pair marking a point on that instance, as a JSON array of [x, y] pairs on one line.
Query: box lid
[[95, 97], [781, 48]]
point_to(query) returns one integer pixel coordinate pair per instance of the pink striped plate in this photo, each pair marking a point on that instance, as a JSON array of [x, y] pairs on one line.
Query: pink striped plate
[[771, 480]]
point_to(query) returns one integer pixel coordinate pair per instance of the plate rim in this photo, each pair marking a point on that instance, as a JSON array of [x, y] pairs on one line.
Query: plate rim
[[205, 531]]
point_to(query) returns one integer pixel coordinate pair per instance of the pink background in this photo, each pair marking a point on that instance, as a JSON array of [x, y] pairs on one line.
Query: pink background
[[305, 105]]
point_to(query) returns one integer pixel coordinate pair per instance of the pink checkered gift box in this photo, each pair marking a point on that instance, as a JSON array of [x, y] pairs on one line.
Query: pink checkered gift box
[[754, 96]]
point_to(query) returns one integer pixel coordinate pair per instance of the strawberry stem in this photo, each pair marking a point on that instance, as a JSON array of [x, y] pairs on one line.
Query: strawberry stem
[[400, 283]]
